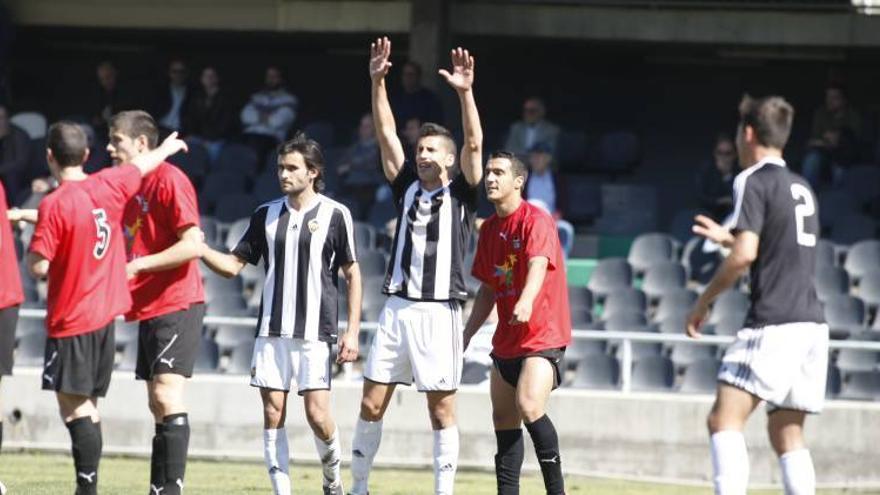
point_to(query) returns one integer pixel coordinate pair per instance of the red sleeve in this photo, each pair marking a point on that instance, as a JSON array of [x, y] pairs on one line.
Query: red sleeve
[[123, 181], [178, 199], [483, 269], [47, 234], [542, 239]]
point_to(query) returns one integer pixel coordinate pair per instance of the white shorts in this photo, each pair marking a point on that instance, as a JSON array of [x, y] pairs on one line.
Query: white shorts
[[785, 365], [417, 341], [278, 361]]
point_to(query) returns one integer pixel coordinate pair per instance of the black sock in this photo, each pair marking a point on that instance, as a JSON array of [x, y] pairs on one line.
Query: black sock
[[85, 440], [547, 449], [508, 460], [176, 438], [157, 461]]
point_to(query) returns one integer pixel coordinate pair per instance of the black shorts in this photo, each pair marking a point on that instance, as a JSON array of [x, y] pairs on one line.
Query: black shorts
[[169, 343], [509, 369], [8, 322], [82, 364]]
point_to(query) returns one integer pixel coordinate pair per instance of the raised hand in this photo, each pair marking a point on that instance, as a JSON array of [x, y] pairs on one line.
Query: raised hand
[[462, 76], [380, 51], [710, 229], [172, 144]]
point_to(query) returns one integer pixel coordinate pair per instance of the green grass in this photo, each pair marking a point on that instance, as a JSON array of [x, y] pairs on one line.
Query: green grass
[[44, 474]]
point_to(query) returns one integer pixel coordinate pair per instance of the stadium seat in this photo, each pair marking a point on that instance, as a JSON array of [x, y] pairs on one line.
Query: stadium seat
[[619, 151], [675, 302], [861, 385], [581, 318], [684, 354], [597, 371], [860, 183], [29, 326], [126, 333], [653, 373], [473, 373], [217, 286], [194, 162], [571, 150], [700, 377], [850, 360], [208, 358], [565, 232], [628, 209], [662, 278], [626, 322], [862, 257], [128, 361], [580, 297], [853, 228], [609, 275], [731, 304], [845, 313], [364, 236], [266, 187], [588, 192], [33, 123], [627, 300], [237, 158], [321, 131], [650, 249], [730, 325], [640, 350], [580, 348], [826, 255], [830, 281], [371, 262], [833, 382], [681, 225], [31, 350], [701, 266], [240, 359], [218, 185], [235, 206], [229, 304], [228, 337], [673, 324]]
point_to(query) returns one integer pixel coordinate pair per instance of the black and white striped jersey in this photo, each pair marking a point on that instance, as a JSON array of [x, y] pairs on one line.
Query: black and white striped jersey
[[302, 253], [433, 231], [780, 207]]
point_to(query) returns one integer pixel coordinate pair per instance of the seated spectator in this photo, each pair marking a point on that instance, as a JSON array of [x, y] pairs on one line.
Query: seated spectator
[[359, 169], [209, 118], [834, 139], [415, 100], [15, 153], [269, 114], [543, 183], [532, 129], [107, 99], [172, 98], [715, 179], [410, 135]]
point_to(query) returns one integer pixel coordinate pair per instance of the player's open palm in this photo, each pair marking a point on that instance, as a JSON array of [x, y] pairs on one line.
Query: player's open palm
[[380, 52], [462, 76], [710, 229]]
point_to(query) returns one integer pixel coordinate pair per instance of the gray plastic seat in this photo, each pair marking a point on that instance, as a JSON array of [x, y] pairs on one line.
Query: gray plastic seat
[[227, 305], [473, 373], [208, 357], [580, 348], [128, 362], [228, 337], [861, 385], [580, 297], [860, 182], [826, 255], [673, 324], [700, 377], [237, 158], [845, 313], [729, 326], [662, 278], [650, 249], [850, 360], [869, 288], [371, 262], [683, 354], [29, 326], [31, 350], [126, 332], [609, 275], [731, 303], [626, 322], [833, 382], [830, 281], [597, 371], [675, 302], [628, 300], [233, 207], [240, 358], [853, 228], [653, 373], [581, 318]]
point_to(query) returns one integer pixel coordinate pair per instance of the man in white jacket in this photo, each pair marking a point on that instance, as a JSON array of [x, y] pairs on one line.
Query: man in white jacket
[[269, 114]]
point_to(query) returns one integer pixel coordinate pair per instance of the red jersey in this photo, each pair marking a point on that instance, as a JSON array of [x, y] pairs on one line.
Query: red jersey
[[165, 204], [502, 262], [79, 233], [10, 290]]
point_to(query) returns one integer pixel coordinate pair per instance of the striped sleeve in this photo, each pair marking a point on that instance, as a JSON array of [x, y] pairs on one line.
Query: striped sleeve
[[252, 245], [344, 244]]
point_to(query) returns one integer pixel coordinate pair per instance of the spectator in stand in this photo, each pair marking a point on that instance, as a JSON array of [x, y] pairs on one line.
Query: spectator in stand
[[410, 134], [415, 100], [360, 170], [269, 114], [172, 98], [715, 180], [107, 98], [532, 129], [14, 154], [209, 118], [834, 140], [543, 183]]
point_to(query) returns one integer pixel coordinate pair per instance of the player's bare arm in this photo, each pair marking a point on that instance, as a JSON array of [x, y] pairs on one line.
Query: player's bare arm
[[29, 215], [483, 304], [187, 248], [710, 229], [38, 265], [348, 341], [743, 254], [383, 119], [522, 310], [224, 264], [462, 81], [149, 161]]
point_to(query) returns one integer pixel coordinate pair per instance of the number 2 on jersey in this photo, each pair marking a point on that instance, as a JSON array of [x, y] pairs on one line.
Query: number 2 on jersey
[[103, 233], [802, 211]]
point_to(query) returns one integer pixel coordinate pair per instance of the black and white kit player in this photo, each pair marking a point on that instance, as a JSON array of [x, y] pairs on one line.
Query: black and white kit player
[[781, 355]]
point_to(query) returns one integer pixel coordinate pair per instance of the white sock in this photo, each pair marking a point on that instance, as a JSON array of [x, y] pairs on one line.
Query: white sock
[[445, 460], [730, 460], [798, 474], [277, 456], [364, 445], [328, 452]]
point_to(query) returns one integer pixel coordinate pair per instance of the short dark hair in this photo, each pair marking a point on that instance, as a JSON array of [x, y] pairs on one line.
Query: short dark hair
[[134, 123], [68, 142], [311, 153], [838, 86], [769, 117], [415, 65], [432, 129], [517, 166]]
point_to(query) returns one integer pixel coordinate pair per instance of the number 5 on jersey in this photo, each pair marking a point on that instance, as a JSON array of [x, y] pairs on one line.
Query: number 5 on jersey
[[802, 211], [103, 233]]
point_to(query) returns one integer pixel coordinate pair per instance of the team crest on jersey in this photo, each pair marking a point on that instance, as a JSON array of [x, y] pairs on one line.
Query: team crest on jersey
[[143, 203], [517, 243], [314, 226]]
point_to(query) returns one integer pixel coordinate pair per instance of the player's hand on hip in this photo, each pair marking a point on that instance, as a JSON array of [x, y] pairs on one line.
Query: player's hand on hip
[[695, 320], [380, 51], [710, 229], [172, 144], [522, 311], [462, 76], [348, 348]]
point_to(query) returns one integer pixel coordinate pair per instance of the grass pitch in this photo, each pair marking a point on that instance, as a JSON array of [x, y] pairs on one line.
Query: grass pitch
[[45, 474]]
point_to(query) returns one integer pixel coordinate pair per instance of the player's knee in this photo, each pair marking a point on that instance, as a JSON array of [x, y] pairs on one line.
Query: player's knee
[[317, 416], [713, 422], [784, 441], [529, 409], [442, 414], [371, 410], [273, 417], [505, 419]]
